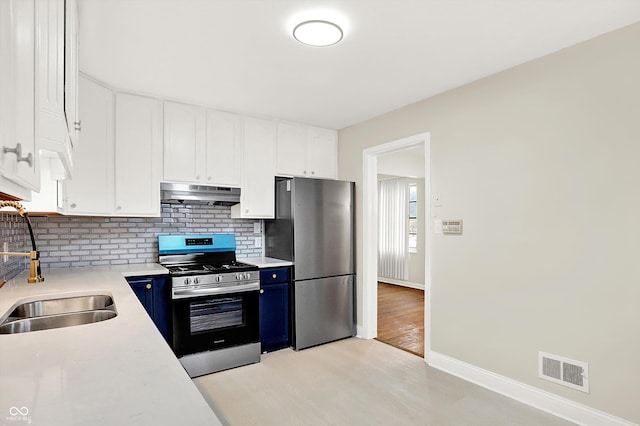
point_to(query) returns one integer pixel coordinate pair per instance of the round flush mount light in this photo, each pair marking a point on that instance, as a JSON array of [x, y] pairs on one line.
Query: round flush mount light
[[317, 33]]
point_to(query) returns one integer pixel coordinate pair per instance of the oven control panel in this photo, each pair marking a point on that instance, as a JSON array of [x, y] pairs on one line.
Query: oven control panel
[[198, 241], [216, 280]]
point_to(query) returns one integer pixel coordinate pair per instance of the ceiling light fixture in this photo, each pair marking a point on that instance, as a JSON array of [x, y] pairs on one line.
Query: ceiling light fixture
[[317, 33]]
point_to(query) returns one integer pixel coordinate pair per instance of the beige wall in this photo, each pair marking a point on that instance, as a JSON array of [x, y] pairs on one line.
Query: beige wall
[[542, 162]]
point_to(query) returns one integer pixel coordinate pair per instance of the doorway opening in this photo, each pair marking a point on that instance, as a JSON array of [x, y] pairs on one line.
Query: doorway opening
[[401, 317], [371, 158]]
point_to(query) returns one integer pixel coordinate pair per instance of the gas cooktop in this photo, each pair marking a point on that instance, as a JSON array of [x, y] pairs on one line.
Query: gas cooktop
[[210, 268]]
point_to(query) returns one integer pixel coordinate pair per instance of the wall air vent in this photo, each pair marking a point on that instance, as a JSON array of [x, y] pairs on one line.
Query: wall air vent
[[564, 371]]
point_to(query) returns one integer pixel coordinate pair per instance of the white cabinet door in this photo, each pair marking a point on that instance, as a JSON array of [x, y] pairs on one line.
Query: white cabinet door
[[53, 133], [184, 143], [322, 153], [258, 171], [138, 126], [307, 151], [223, 147], [72, 115], [50, 51], [7, 103], [292, 149], [90, 191], [20, 162]]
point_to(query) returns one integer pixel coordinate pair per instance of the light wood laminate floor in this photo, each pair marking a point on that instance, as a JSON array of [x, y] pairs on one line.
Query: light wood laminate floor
[[356, 382], [401, 317]]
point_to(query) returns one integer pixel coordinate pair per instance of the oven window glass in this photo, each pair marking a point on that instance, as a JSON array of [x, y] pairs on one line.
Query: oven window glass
[[214, 314]]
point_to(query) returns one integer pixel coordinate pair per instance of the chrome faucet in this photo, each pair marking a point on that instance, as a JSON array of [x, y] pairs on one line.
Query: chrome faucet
[[35, 274]]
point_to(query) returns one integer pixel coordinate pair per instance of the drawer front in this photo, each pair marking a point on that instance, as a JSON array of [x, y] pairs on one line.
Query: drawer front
[[274, 275]]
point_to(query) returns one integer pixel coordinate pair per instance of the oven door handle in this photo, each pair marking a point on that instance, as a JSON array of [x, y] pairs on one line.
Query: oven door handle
[[196, 292]]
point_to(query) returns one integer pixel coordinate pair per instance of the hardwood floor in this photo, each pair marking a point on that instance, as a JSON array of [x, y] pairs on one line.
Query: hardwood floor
[[401, 317]]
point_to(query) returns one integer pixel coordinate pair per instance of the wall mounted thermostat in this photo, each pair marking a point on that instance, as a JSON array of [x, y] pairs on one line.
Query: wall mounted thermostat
[[452, 227]]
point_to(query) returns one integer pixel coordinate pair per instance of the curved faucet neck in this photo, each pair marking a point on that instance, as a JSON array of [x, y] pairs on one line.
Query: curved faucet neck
[[35, 272], [23, 213]]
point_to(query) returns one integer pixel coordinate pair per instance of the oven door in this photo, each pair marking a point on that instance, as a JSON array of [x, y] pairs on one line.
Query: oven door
[[206, 323]]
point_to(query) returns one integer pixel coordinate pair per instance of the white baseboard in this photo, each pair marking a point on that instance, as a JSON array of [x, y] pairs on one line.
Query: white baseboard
[[401, 283], [542, 400]]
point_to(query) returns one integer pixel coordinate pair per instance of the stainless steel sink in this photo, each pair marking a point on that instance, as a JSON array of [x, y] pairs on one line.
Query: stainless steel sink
[[64, 305], [60, 312], [55, 321]]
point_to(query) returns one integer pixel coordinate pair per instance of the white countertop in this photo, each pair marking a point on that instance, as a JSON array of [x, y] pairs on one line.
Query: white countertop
[[115, 372], [265, 262]]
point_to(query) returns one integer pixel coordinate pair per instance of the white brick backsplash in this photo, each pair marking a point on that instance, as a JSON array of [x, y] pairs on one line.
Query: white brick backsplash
[[65, 241]]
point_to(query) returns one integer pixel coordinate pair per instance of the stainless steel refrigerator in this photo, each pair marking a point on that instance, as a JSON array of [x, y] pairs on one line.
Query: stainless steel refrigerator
[[314, 228]]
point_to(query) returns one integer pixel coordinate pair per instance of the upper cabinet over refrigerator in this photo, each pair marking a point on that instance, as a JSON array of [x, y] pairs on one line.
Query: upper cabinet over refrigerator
[[307, 151]]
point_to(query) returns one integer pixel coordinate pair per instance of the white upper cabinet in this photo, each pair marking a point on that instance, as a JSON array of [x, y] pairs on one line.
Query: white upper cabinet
[[117, 167], [292, 149], [223, 148], [185, 131], [322, 153], [71, 67], [53, 132], [258, 169], [306, 151], [7, 102], [90, 191], [32, 92], [51, 69], [138, 128], [19, 160], [201, 146]]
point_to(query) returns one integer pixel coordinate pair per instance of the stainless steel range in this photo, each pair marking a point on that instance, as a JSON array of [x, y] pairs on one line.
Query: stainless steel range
[[214, 302]]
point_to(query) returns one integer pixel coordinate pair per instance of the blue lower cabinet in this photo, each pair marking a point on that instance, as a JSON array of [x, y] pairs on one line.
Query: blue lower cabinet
[[274, 309], [153, 293]]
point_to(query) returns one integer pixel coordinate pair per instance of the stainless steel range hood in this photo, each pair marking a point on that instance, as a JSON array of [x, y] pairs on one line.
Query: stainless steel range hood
[[199, 194]]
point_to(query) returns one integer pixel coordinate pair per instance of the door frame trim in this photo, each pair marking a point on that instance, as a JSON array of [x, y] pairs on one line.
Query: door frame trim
[[369, 329]]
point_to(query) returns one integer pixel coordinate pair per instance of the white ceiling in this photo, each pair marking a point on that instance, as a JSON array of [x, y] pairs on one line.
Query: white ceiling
[[239, 55]]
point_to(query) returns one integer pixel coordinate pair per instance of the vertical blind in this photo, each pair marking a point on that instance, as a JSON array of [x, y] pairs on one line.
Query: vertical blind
[[393, 241]]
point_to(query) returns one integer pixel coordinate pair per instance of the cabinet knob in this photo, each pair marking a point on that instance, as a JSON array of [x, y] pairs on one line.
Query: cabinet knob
[[18, 152], [73, 205], [312, 172], [119, 208], [148, 286], [198, 177], [261, 291], [208, 177], [273, 276], [77, 125]]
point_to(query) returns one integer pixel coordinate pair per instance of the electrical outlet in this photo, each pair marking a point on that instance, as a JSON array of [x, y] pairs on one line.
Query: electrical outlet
[[5, 247], [256, 227], [257, 242]]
